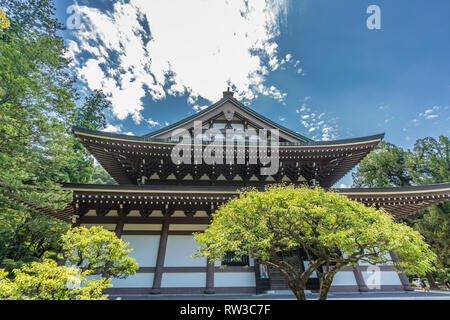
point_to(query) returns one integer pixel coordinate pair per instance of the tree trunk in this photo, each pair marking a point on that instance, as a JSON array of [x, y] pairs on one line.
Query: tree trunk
[[298, 288], [324, 289], [300, 294], [431, 281]]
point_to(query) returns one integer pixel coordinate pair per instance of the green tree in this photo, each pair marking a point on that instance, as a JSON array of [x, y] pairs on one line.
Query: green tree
[[27, 235], [332, 230], [38, 107], [47, 281], [4, 21], [427, 163], [35, 107], [384, 167], [98, 250], [101, 176], [90, 114]]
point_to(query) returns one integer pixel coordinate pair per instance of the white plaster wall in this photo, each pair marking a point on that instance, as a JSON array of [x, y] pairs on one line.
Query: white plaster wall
[[234, 279], [344, 278], [145, 248], [383, 277], [139, 280], [179, 251], [174, 280]]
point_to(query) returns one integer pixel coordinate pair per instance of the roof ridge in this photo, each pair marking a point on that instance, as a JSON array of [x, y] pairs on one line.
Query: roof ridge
[[144, 138], [237, 103]]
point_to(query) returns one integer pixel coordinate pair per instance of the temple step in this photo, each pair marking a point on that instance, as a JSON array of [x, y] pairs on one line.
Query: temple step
[[277, 281]]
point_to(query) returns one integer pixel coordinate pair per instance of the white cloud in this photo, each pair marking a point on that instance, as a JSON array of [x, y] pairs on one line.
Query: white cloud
[[194, 47], [328, 133], [198, 108], [153, 123], [429, 114], [322, 128], [113, 129]]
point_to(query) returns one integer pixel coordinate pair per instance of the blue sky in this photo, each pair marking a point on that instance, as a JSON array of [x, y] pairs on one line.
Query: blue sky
[[311, 65]]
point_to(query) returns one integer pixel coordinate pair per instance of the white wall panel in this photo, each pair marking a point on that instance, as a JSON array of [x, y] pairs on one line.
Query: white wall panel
[[344, 278], [145, 248], [234, 279], [382, 277], [179, 251], [174, 280]]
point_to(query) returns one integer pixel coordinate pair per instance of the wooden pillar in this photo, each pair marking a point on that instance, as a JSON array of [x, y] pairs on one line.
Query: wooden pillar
[[156, 289], [209, 277], [403, 278], [362, 287], [119, 227]]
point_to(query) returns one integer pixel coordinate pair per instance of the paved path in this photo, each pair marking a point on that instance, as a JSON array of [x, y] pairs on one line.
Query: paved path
[[388, 295]]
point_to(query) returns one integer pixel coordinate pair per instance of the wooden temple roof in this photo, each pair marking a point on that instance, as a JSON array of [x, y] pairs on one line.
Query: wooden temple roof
[[398, 201], [227, 99], [127, 158], [149, 179], [147, 159]]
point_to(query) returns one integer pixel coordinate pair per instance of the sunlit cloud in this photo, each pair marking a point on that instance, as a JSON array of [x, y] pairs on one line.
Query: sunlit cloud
[[194, 48], [112, 129]]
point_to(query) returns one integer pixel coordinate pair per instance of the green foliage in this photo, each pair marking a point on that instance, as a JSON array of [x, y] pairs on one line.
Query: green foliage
[[333, 231], [90, 114], [27, 235], [427, 163], [4, 21], [384, 167], [101, 176], [38, 107], [48, 281], [98, 250]]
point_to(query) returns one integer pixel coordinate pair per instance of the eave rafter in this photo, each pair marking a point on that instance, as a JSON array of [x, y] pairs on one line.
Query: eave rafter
[[129, 162], [399, 202]]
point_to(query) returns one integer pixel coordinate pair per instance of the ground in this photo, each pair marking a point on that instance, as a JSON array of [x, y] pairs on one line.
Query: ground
[[285, 295]]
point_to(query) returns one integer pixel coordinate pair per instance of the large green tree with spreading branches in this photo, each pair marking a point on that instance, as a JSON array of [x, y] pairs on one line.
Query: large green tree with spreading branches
[[332, 230]]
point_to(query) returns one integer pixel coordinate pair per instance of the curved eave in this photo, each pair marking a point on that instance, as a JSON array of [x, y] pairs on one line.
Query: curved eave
[[108, 147], [400, 201]]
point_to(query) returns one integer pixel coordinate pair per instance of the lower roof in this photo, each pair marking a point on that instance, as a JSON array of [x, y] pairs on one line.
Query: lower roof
[[398, 201]]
